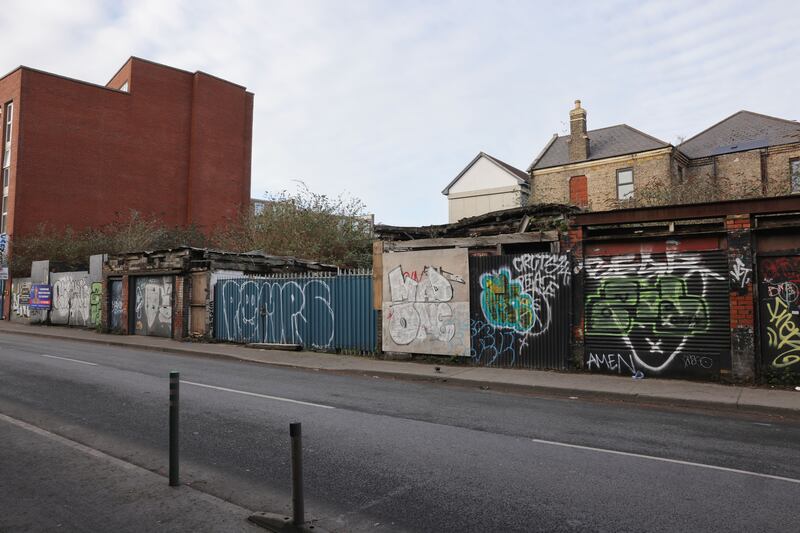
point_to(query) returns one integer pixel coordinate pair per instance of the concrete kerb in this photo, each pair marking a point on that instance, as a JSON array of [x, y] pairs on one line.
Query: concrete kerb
[[637, 398]]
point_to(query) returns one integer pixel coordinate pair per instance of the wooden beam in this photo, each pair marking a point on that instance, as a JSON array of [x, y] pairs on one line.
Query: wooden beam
[[377, 275], [469, 242]]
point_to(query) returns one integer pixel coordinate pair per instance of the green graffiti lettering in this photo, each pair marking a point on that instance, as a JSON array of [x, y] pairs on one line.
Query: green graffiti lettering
[[661, 304]]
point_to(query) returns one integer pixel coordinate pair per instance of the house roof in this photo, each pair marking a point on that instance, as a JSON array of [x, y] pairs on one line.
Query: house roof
[[603, 143], [517, 174], [744, 130]]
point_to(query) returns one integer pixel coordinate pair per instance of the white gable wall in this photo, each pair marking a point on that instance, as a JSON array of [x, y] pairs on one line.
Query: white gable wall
[[483, 175], [484, 188]]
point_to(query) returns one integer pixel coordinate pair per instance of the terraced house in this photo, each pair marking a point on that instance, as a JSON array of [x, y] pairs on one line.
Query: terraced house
[[745, 155]]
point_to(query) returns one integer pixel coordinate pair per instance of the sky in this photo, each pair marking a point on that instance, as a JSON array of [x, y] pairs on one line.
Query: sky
[[388, 101]]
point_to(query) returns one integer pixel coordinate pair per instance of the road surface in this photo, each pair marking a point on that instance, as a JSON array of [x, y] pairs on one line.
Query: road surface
[[392, 455]]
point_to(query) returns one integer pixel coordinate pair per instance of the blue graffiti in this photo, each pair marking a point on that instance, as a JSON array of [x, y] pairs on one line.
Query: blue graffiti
[[490, 344], [505, 303]]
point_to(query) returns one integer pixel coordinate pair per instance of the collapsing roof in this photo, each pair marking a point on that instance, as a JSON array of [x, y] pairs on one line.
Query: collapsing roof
[[516, 220], [188, 257]]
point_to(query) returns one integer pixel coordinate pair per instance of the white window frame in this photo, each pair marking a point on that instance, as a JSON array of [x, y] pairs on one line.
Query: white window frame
[[628, 195]]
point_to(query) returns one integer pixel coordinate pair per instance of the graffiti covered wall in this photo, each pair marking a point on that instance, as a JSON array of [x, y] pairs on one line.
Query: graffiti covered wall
[[153, 306], [520, 310], [322, 312], [426, 302], [116, 304], [657, 314], [71, 295], [20, 299], [780, 313]]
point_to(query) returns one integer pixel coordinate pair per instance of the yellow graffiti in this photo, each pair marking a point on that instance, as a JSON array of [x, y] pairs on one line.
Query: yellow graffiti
[[783, 334]]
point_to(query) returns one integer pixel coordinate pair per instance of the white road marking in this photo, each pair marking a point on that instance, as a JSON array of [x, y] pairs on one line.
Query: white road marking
[[68, 359], [665, 460], [265, 396]]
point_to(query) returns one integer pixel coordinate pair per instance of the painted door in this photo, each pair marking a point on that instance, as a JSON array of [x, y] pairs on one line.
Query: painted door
[[659, 314], [153, 306], [779, 315], [520, 310], [116, 305]]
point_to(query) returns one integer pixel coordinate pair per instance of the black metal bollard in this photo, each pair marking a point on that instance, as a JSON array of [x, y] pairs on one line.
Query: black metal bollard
[[174, 403], [295, 433]]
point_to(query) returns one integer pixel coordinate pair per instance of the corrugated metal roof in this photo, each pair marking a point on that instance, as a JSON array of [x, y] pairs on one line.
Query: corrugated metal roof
[[603, 143], [741, 131]]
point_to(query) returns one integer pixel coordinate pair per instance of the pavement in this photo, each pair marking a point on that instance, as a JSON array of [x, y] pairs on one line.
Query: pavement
[[648, 390], [52, 483]]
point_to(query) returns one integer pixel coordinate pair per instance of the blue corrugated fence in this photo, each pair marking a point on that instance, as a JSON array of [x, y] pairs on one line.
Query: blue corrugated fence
[[325, 312]]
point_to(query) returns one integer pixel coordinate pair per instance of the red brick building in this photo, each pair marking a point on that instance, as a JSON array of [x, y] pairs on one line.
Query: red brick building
[[155, 139]]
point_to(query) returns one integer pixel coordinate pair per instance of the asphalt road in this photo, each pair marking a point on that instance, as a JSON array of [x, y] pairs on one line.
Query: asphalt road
[[390, 455]]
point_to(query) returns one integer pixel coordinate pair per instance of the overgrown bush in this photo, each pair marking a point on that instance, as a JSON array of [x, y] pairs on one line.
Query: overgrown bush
[[304, 224], [307, 225]]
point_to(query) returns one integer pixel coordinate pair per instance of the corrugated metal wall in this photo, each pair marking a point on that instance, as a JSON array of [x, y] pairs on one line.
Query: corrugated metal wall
[[663, 314], [328, 312], [779, 314], [520, 310]]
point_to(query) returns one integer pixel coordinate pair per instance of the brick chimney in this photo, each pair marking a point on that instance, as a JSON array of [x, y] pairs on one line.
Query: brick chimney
[[578, 140]]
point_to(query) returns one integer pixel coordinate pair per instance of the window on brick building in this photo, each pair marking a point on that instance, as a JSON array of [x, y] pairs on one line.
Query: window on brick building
[[8, 120], [624, 183], [794, 169], [124, 87], [5, 215]]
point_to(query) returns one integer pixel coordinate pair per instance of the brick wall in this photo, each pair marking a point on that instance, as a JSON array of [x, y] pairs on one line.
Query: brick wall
[[176, 146], [742, 312], [601, 180]]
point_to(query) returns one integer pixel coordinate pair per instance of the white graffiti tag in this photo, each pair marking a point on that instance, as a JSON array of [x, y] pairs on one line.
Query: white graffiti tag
[[420, 308], [277, 311], [740, 273]]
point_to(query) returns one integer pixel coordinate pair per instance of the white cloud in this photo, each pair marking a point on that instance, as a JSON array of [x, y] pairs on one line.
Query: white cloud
[[389, 100]]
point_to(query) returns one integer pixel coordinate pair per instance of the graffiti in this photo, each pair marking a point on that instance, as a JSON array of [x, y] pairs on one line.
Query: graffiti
[[780, 312], [71, 296], [786, 291], [514, 300], [426, 302], [783, 334], [20, 298], [490, 345], [95, 302], [277, 311], [117, 306], [740, 273], [504, 303], [656, 312], [153, 306], [612, 362], [420, 309], [696, 360], [661, 304]]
